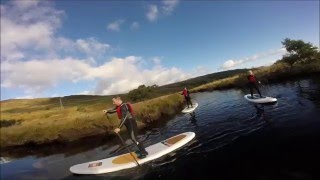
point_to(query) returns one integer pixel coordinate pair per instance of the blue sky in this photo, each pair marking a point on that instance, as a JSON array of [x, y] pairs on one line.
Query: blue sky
[[105, 47]]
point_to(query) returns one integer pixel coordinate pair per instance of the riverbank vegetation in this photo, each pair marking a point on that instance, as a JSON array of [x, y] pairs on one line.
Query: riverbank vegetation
[[37, 122], [302, 59]]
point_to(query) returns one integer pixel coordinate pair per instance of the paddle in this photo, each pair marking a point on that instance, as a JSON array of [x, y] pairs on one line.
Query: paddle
[[128, 149], [265, 89], [124, 143]]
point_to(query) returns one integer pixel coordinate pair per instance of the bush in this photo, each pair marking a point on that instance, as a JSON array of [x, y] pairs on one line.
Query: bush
[[81, 109], [159, 108], [10, 122], [141, 93]]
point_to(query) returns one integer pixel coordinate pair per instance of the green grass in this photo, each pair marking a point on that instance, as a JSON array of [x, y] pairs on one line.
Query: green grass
[[158, 108], [218, 84], [43, 125], [274, 73]]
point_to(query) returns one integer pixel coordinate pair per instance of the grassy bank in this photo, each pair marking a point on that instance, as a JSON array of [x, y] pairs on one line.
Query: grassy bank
[[47, 122], [274, 73]]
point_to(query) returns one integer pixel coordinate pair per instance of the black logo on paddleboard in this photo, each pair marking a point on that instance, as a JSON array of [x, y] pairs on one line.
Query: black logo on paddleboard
[[95, 164]]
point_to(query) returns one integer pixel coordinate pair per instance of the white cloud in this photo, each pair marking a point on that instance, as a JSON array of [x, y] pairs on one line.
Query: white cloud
[[91, 46], [25, 4], [235, 63], [156, 60], [152, 13], [231, 63], [29, 28], [55, 95], [135, 25], [119, 75], [39, 75], [165, 8], [35, 59], [27, 24], [169, 6], [85, 93], [115, 26], [25, 97], [201, 70]]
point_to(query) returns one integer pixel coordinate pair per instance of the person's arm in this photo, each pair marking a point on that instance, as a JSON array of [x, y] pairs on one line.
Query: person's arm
[[110, 111], [124, 113]]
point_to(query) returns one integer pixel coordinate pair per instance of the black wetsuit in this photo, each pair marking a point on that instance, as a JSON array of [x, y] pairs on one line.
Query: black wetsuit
[[129, 121], [253, 84], [187, 97]]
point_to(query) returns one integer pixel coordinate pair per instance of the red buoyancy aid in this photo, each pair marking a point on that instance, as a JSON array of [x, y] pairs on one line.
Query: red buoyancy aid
[[119, 110], [252, 78], [184, 92]]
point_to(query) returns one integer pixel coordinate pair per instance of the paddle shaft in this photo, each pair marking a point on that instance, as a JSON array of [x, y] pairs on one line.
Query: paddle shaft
[[128, 149], [265, 89], [125, 145]]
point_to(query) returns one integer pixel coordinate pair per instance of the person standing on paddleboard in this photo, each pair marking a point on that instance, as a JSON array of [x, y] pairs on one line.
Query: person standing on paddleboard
[[187, 97], [253, 83], [125, 113]]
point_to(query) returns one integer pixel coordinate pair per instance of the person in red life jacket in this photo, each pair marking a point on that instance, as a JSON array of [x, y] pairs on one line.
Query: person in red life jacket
[[187, 97], [125, 113], [253, 83]]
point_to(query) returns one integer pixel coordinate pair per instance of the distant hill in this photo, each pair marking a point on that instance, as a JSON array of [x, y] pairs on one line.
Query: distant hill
[[158, 91], [197, 81]]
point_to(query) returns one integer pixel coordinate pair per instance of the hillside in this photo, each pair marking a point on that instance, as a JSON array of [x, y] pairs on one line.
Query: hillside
[[197, 81]]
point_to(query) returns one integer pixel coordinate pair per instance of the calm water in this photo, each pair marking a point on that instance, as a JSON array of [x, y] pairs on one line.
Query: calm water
[[234, 140]]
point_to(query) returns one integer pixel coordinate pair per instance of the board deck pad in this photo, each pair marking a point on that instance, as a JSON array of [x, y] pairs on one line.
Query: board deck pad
[[126, 161], [175, 139], [126, 158]]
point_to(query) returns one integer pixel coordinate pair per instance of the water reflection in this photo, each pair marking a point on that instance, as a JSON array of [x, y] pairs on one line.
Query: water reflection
[[261, 113], [260, 110], [68, 149], [193, 118]]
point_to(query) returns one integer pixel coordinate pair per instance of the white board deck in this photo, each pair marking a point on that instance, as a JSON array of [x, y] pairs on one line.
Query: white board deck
[[257, 99], [190, 109], [126, 161]]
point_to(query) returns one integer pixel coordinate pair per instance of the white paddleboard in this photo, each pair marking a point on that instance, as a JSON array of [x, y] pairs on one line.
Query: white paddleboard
[[257, 99], [190, 109], [126, 161]]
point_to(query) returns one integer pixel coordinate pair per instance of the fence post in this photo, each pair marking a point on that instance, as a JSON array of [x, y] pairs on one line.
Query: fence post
[[61, 105]]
